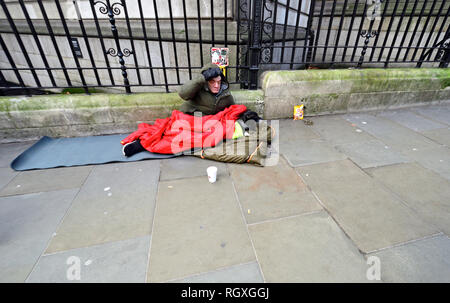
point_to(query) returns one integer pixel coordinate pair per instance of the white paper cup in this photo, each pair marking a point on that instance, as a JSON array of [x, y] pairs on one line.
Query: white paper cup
[[212, 174]]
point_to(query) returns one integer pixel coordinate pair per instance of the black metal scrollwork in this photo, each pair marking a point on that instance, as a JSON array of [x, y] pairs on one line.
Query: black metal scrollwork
[[266, 48], [111, 10], [244, 30], [367, 34], [127, 52], [105, 8], [250, 31], [113, 53], [443, 50]]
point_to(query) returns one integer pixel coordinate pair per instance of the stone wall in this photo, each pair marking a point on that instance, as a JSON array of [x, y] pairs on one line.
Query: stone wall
[[321, 91], [352, 90], [85, 11], [29, 118]]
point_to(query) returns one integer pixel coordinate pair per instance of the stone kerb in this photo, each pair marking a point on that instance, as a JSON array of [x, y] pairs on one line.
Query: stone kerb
[[350, 90], [29, 118], [321, 91]]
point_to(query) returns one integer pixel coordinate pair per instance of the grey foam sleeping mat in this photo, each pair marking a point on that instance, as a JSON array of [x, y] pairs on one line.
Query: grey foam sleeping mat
[[63, 152]]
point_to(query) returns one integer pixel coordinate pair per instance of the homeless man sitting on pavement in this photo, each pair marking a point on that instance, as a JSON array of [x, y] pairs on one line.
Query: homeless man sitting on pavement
[[207, 94]]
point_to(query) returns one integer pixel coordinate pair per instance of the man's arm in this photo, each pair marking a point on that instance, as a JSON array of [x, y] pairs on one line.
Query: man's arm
[[191, 88], [232, 100]]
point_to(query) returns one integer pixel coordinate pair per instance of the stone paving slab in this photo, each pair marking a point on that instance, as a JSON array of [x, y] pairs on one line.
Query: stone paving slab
[[46, 180], [116, 203], [198, 227], [392, 134], [307, 248], [423, 190], [200, 234], [242, 273], [6, 175], [306, 152], [290, 130], [437, 159], [441, 135], [271, 192], [411, 120], [189, 166], [10, 151], [423, 261], [439, 114], [27, 223], [337, 130], [114, 262], [371, 153], [301, 144], [372, 217]]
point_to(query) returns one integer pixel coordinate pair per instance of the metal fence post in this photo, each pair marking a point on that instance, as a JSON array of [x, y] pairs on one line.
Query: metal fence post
[[111, 10], [446, 58], [255, 47], [444, 50]]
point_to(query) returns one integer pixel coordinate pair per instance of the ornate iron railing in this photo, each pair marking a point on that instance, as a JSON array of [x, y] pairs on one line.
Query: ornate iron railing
[[261, 34]]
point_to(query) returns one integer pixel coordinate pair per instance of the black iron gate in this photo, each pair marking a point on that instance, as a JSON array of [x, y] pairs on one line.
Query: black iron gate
[[270, 36], [152, 47], [295, 34]]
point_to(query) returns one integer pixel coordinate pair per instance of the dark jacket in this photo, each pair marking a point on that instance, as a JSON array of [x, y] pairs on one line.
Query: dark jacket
[[198, 97]]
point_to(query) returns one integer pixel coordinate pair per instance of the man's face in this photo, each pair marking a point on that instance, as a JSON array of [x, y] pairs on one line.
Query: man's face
[[214, 84]]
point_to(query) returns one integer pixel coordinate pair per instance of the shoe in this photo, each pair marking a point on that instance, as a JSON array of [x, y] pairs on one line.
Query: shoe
[[123, 148], [132, 148]]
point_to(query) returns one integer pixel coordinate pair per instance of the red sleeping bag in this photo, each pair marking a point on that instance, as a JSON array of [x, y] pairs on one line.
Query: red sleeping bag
[[181, 132]]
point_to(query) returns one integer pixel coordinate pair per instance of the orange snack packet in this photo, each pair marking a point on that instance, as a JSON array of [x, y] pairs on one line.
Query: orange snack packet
[[298, 112]]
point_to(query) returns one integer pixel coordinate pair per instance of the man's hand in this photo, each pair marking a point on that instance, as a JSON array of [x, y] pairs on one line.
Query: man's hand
[[249, 115], [211, 73]]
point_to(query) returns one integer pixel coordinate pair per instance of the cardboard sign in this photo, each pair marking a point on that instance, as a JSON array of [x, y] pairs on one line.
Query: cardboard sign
[[219, 56]]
